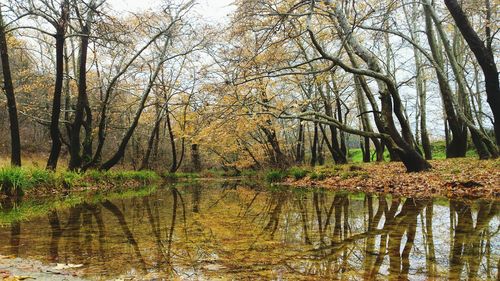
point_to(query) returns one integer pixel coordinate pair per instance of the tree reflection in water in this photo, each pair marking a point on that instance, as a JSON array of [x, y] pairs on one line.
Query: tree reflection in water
[[238, 232]]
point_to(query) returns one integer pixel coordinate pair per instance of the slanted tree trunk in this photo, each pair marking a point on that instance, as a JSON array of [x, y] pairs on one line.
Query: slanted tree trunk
[[420, 83], [142, 103], [484, 56], [105, 99], [333, 146], [173, 166], [365, 123], [278, 157], [412, 160], [361, 81], [485, 147], [15, 139], [151, 140], [457, 140]]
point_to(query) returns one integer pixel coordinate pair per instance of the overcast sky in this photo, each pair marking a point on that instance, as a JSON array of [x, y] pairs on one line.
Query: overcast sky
[[212, 10]]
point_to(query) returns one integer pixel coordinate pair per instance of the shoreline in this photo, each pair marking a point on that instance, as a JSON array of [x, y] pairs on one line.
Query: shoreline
[[454, 179], [450, 178]]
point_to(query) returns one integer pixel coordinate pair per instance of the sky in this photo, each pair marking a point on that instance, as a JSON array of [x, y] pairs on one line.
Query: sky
[[213, 10]]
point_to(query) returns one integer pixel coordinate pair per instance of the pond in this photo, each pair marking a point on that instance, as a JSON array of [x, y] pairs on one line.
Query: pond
[[229, 230]]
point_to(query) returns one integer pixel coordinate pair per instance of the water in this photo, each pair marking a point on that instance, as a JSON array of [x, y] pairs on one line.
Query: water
[[229, 231]]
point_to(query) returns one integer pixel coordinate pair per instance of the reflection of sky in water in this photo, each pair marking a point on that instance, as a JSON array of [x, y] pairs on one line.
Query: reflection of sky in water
[[205, 232]]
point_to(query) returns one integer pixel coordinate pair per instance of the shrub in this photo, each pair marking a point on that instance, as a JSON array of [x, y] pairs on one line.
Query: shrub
[[248, 173], [13, 180], [297, 173], [318, 176], [42, 177], [275, 176], [96, 175], [70, 178], [355, 168]]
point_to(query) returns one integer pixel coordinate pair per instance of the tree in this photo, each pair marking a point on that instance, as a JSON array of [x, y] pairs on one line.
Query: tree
[[484, 55], [82, 104], [8, 88], [176, 23], [57, 14]]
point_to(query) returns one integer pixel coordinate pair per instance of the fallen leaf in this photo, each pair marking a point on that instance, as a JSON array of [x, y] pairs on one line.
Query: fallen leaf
[[60, 266], [17, 278], [4, 273]]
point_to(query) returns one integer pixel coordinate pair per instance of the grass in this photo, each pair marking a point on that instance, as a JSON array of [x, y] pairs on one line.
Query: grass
[[16, 180], [13, 180], [297, 172], [276, 176], [279, 175], [317, 176]]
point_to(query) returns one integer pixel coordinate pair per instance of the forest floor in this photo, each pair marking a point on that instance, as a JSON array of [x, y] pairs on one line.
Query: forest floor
[[453, 178]]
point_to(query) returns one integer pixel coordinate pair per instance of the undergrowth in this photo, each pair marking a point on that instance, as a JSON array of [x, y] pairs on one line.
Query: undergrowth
[[17, 180]]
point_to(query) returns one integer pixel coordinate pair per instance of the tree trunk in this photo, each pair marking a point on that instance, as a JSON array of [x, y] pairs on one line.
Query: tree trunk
[[343, 146], [128, 134], [173, 166], [300, 145], [333, 146], [75, 161], [195, 158], [314, 146], [361, 81], [457, 144], [101, 132], [56, 102], [413, 161], [151, 141], [464, 113], [15, 140], [485, 58], [420, 84]]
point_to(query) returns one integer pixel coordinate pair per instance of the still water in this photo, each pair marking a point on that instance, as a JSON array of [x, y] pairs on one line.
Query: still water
[[230, 231]]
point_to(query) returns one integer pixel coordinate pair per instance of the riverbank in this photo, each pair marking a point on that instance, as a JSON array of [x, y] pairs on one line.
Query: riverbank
[[33, 182], [452, 178]]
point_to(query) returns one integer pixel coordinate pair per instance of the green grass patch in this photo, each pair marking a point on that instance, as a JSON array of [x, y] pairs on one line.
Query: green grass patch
[[70, 179], [317, 176], [16, 180], [276, 176], [297, 172]]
